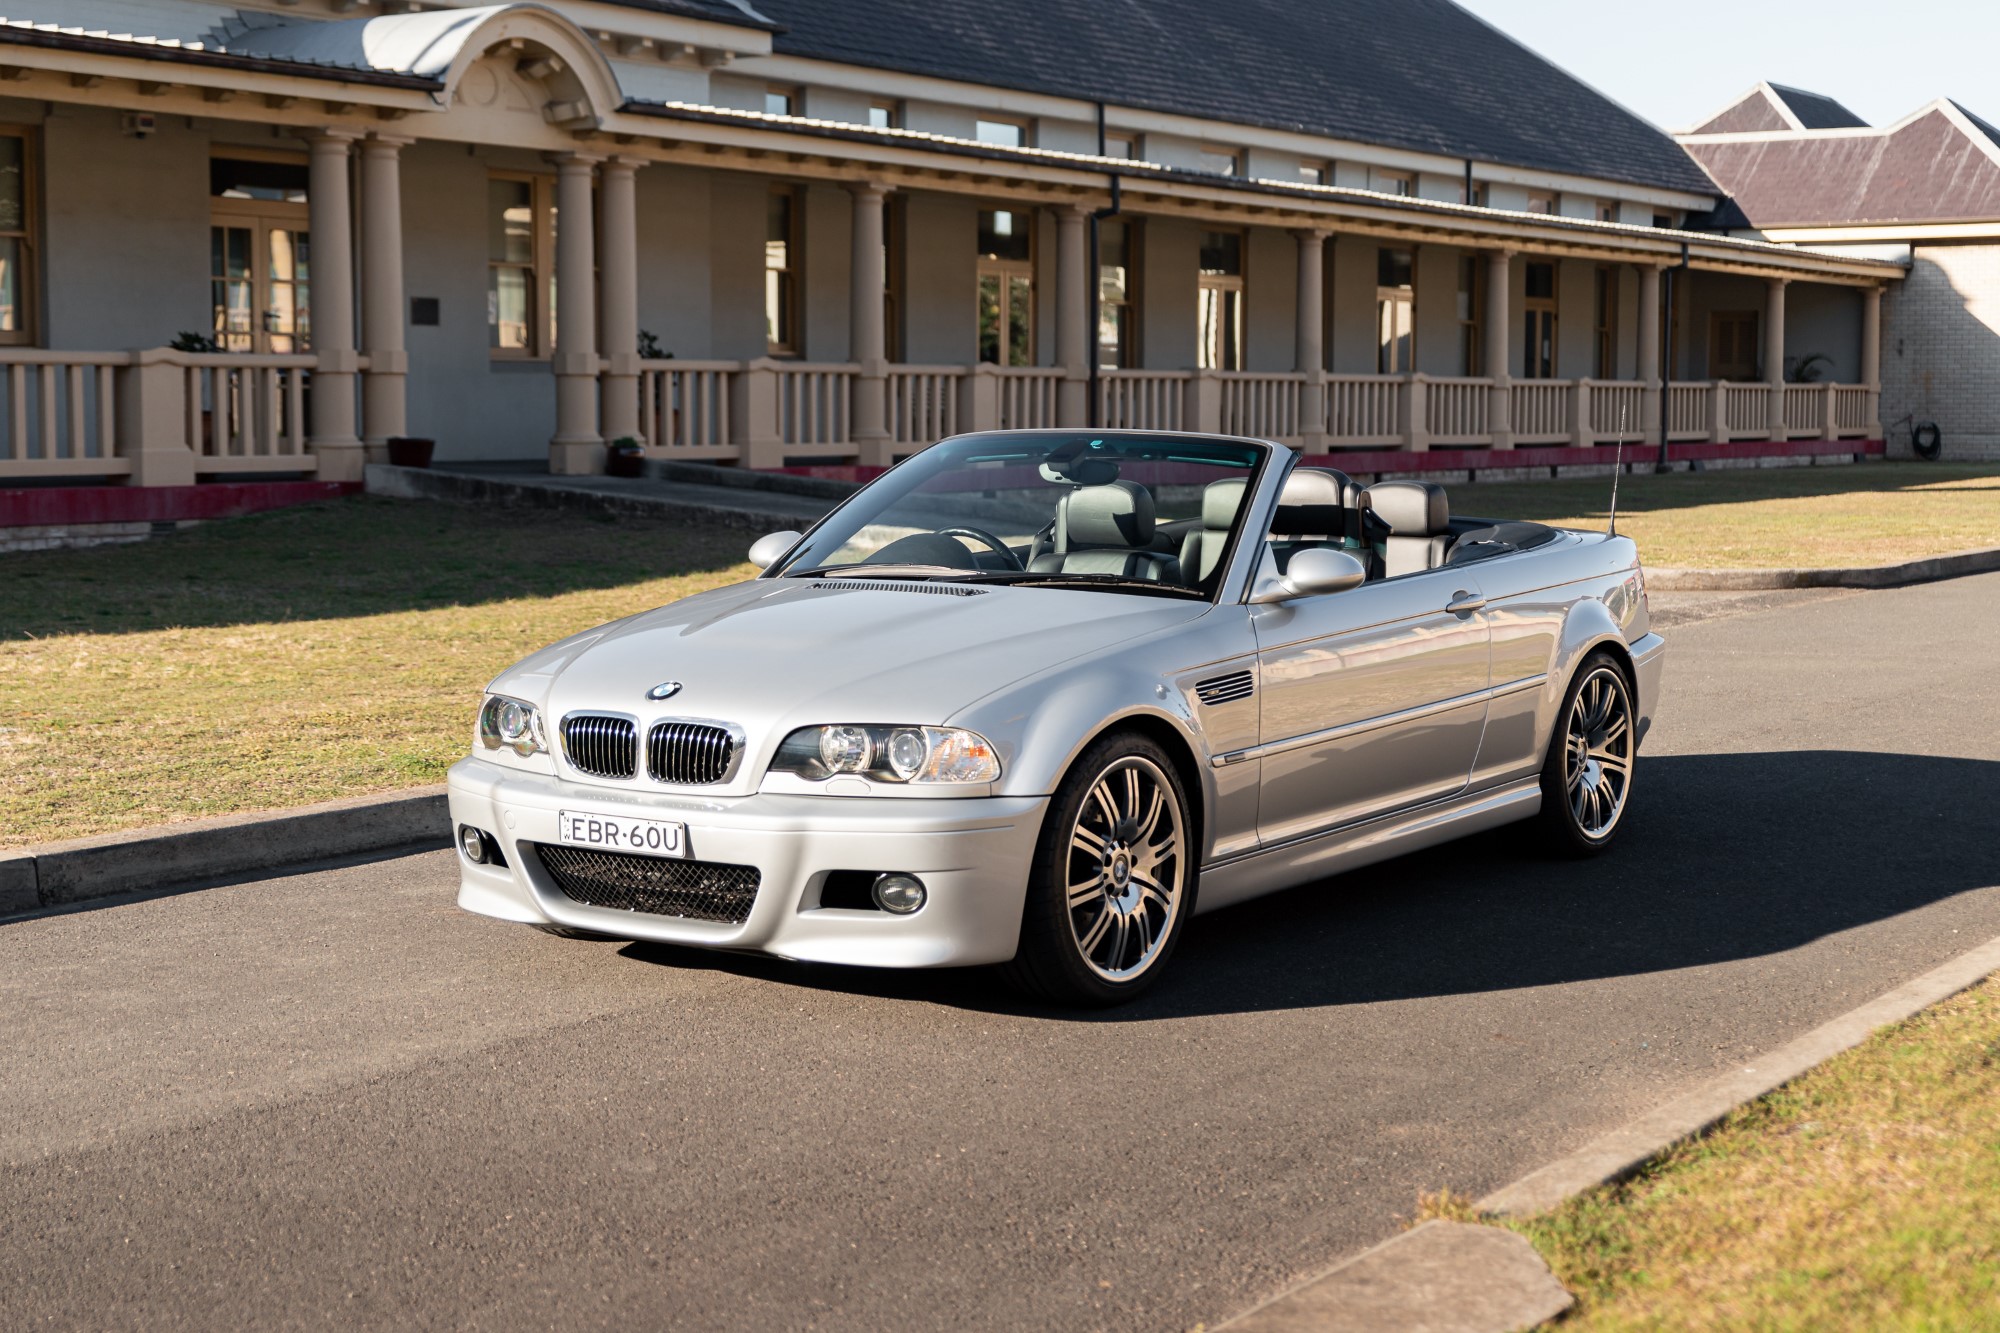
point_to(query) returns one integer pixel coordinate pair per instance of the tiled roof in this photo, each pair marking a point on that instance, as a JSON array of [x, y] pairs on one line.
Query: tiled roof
[[719, 11], [207, 49], [1817, 111], [1939, 165], [1417, 74], [1774, 108]]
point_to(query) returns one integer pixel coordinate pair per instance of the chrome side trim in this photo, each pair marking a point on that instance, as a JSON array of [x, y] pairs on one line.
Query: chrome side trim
[[1368, 724]]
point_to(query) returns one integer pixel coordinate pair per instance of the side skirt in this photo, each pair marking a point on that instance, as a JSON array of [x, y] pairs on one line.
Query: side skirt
[[1322, 854]]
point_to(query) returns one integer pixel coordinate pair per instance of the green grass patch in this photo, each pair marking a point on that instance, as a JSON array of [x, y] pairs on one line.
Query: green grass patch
[[1864, 1195]]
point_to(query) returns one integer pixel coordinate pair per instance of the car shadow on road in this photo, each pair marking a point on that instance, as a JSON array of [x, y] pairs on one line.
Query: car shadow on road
[[1724, 857]]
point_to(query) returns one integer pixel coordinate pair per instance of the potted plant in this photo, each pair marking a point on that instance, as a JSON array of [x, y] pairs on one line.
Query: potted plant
[[410, 451], [626, 457]]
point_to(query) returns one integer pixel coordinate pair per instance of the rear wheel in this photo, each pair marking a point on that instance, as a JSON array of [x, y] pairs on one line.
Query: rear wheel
[[1587, 777], [1113, 878]]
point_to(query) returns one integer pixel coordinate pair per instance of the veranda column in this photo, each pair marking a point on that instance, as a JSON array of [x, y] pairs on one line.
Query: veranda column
[[384, 411], [1652, 407], [1072, 315], [329, 205], [1500, 405], [576, 447], [1871, 357], [1774, 352], [1309, 340], [618, 321], [867, 336]]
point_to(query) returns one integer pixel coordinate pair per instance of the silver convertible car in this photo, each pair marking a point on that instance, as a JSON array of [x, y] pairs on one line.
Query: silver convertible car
[[1035, 698]]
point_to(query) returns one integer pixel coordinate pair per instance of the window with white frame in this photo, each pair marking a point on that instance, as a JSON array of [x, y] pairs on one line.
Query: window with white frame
[[1392, 182], [1607, 211], [18, 261], [1219, 161], [520, 265], [260, 252], [782, 100], [782, 226], [1316, 173], [885, 115], [1001, 133], [1219, 304], [1395, 311], [1122, 145], [1540, 201], [1006, 273]]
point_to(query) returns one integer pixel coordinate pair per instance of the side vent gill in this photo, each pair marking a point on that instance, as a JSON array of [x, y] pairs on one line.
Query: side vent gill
[[1225, 689]]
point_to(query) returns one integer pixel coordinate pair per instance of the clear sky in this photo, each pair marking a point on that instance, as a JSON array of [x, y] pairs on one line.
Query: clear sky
[[1675, 64]]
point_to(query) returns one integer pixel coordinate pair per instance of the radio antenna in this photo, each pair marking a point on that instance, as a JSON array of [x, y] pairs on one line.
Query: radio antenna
[[1617, 466]]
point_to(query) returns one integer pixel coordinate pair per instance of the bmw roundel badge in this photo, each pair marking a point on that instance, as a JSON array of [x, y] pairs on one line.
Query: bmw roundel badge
[[666, 689]]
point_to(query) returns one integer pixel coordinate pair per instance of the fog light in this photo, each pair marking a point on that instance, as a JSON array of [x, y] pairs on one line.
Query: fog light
[[473, 843], [901, 894]]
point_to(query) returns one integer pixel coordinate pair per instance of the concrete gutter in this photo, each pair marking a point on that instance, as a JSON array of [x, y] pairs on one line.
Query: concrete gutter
[[1927, 570], [59, 873]]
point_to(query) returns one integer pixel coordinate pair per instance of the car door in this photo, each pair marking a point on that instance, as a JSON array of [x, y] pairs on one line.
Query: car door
[[1373, 699]]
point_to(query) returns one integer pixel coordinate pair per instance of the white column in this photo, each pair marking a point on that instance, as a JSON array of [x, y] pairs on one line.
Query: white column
[[867, 333], [330, 204], [383, 385], [1774, 352], [1871, 357], [618, 321], [1309, 338], [576, 447], [1652, 406], [1500, 405], [1073, 339]]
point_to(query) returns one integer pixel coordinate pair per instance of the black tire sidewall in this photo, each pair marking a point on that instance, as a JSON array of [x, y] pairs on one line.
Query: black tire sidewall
[[1047, 962]]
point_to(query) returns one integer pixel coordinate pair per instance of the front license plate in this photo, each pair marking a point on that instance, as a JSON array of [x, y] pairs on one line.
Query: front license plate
[[646, 837]]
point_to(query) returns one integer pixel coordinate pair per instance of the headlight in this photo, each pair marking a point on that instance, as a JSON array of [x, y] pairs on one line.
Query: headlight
[[506, 723], [888, 754]]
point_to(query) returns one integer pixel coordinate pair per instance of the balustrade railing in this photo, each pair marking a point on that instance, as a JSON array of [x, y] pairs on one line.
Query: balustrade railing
[[1540, 411], [1457, 410], [1617, 410], [61, 414], [1142, 399], [816, 405], [684, 408], [1688, 411], [923, 402], [1805, 406], [1852, 410], [1364, 409], [246, 412], [1746, 410], [1262, 405], [1028, 396]]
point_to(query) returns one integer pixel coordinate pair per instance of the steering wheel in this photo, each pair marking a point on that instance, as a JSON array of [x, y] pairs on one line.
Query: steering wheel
[[988, 539]]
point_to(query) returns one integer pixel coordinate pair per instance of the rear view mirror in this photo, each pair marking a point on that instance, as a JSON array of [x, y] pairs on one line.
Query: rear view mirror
[[766, 550], [1313, 572]]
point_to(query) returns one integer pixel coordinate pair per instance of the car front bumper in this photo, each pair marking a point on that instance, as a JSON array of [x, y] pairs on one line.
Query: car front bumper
[[973, 856]]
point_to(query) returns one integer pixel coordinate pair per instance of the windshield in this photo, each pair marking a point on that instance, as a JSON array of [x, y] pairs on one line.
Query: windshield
[[1112, 511]]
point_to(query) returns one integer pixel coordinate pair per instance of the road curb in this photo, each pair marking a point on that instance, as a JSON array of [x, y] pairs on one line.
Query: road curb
[[407, 483], [1927, 570], [57, 874], [1623, 1151]]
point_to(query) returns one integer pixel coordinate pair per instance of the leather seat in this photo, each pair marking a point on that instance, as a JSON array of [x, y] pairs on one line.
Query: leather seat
[[1107, 530], [1202, 548], [1418, 518]]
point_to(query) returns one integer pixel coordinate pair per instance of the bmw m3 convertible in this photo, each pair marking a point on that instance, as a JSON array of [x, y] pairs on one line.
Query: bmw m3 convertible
[[1036, 698]]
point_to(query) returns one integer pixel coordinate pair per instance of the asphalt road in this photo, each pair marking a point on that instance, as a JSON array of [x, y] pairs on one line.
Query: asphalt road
[[331, 1098]]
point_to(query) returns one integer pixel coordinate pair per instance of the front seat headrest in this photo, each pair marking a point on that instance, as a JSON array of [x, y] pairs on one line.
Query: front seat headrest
[[1410, 508], [1219, 502], [1118, 514], [1312, 502]]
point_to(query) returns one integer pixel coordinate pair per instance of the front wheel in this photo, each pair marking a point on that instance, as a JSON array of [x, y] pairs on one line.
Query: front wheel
[[1113, 878], [1587, 777]]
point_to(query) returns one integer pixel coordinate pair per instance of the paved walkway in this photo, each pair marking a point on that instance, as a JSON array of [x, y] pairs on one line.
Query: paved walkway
[[332, 1096]]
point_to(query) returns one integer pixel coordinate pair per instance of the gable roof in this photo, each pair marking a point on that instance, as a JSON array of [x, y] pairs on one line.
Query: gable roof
[[1938, 164], [1774, 108], [1417, 74]]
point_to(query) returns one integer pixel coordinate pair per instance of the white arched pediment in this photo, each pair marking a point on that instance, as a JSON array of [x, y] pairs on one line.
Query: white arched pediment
[[446, 44]]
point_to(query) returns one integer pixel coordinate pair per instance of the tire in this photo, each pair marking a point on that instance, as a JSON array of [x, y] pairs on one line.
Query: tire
[[1587, 776], [1118, 833], [572, 933]]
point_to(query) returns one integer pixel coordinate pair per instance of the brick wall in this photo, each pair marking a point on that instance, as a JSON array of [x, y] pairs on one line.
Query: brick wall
[[1941, 350]]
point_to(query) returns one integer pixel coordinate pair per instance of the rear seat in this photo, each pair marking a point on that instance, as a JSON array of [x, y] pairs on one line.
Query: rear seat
[[1319, 507], [1418, 518]]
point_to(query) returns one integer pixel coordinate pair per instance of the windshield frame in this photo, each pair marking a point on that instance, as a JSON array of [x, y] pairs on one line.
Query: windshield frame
[[1255, 478]]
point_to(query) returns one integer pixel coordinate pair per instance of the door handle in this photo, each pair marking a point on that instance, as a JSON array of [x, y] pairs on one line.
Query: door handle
[[1464, 603]]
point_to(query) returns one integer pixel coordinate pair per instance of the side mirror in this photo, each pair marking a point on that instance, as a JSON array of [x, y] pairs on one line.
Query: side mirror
[[1313, 572], [765, 551]]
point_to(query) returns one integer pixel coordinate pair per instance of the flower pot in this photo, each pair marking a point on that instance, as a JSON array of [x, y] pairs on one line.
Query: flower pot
[[410, 451], [622, 463]]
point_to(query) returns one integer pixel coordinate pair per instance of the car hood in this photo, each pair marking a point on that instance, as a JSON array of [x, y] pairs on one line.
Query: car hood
[[773, 654]]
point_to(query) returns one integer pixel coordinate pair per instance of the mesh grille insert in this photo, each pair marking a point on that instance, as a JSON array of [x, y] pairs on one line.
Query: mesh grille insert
[[604, 747], [688, 752], [695, 890]]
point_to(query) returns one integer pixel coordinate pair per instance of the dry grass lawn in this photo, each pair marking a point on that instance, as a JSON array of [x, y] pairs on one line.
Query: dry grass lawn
[[1866, 1195], [338, 649]]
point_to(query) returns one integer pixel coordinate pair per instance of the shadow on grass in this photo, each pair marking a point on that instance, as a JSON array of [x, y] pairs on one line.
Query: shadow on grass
[[1726, 857], [1643, 492], [355, 557]]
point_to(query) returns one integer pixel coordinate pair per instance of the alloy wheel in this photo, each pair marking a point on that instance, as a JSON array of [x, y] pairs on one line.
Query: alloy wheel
[[1598, 743], [1126, 869]]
